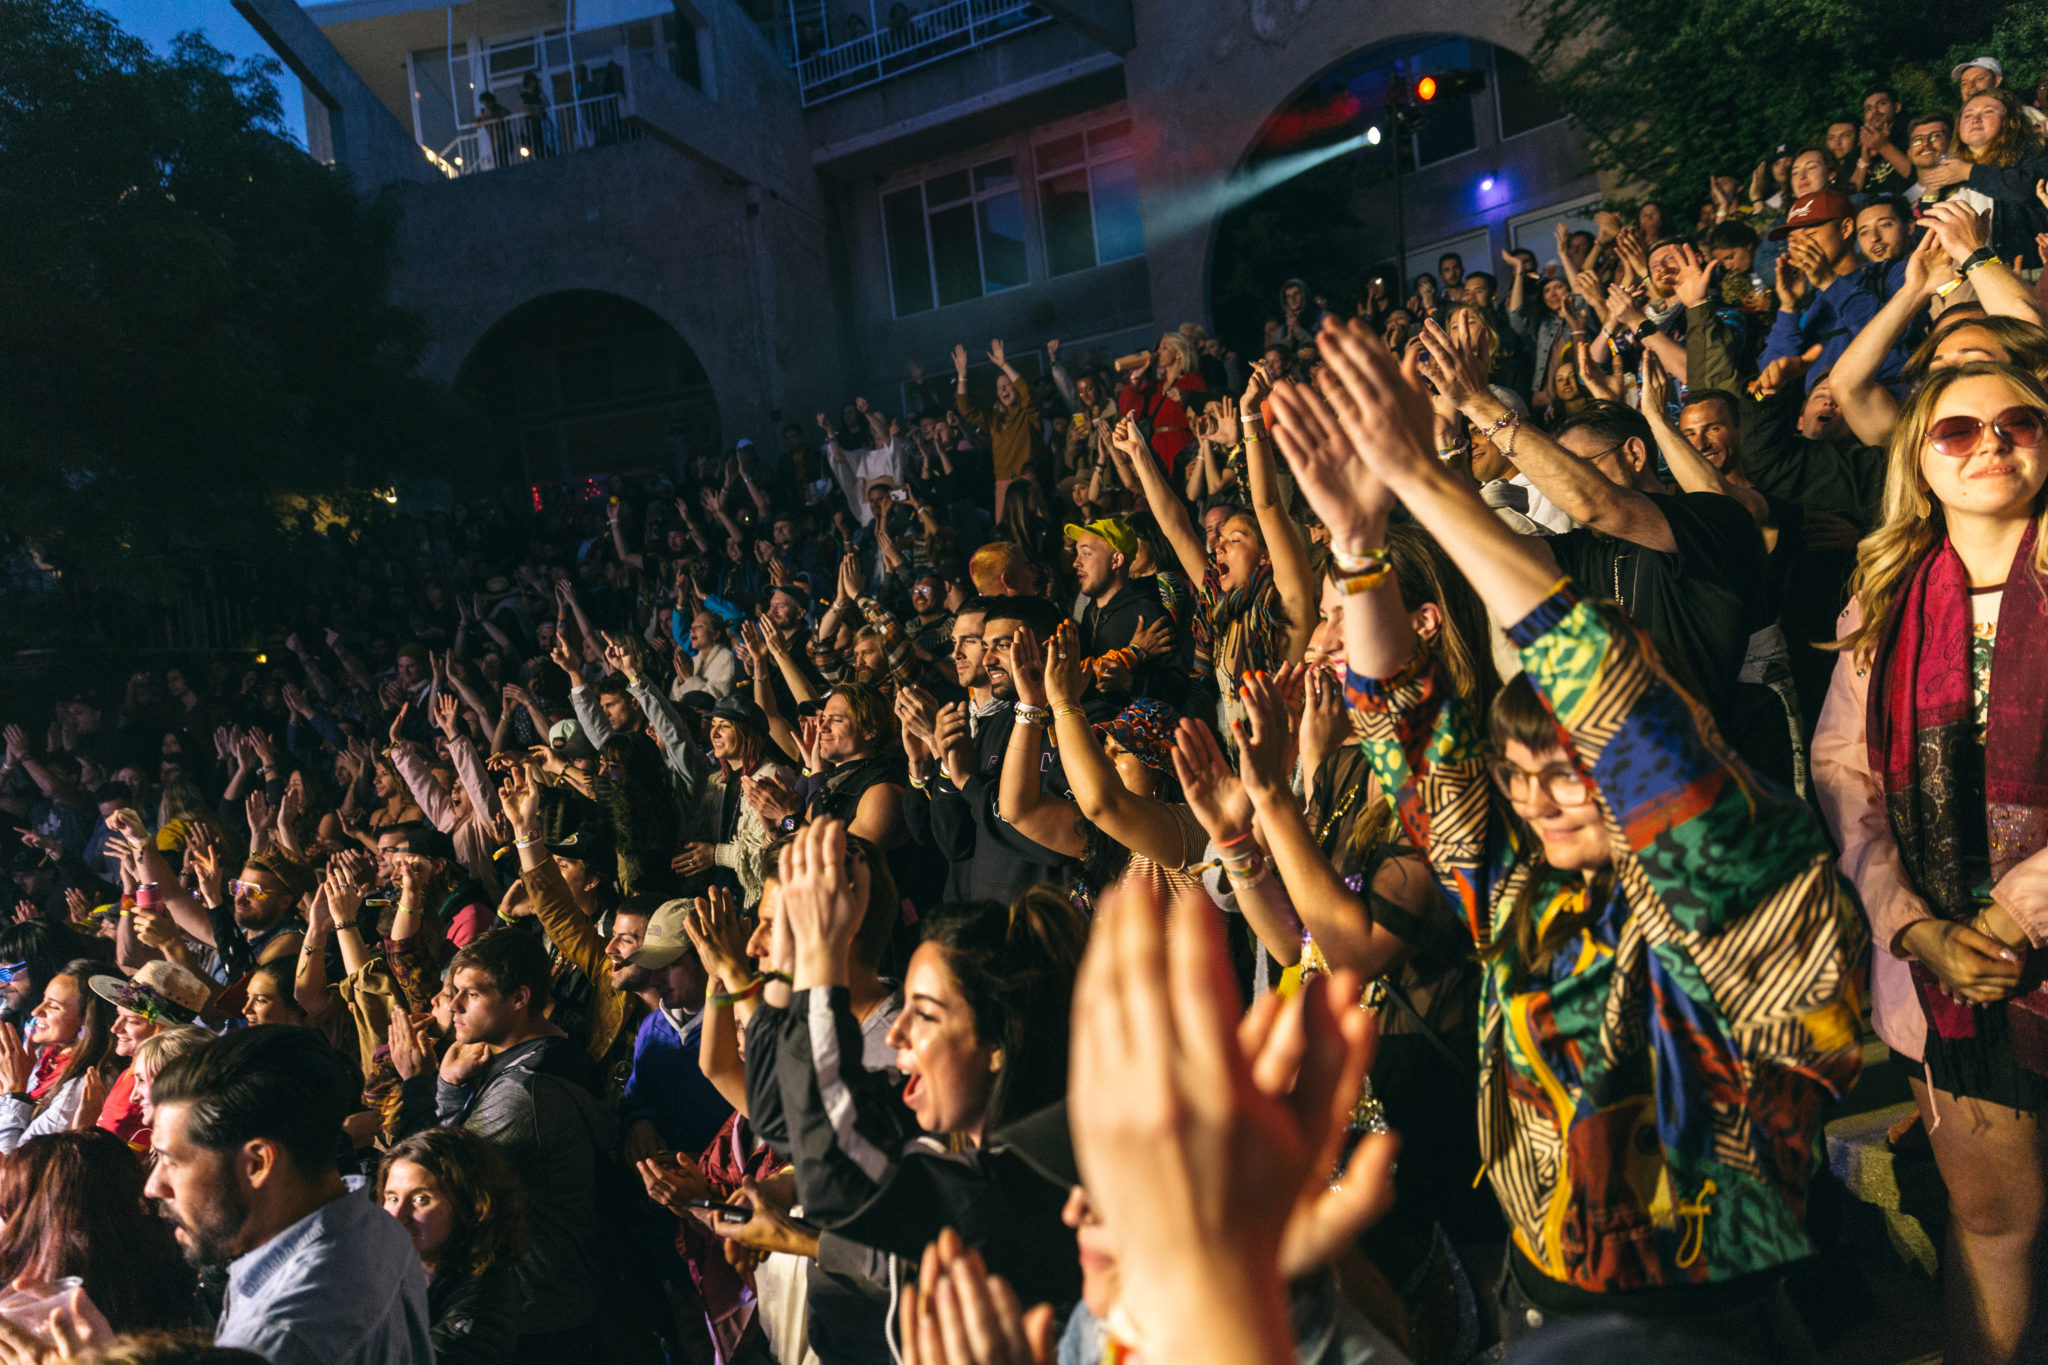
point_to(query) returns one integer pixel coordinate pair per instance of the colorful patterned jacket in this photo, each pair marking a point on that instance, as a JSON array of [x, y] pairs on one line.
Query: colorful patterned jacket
[[1649, 1105]]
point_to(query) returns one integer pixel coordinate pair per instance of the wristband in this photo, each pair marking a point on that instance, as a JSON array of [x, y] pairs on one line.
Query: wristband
[[725, 1001], [1348, 564], [1983, 255], [1364, 582], [1032, 715]]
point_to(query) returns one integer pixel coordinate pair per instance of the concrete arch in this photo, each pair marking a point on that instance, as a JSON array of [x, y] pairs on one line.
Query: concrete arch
[[1201, 107], [575, 382]]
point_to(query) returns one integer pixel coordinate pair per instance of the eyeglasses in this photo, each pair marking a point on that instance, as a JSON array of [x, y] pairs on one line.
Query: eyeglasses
[[1926, 140], [1561, 782], [10, 970], [1956, 437], [249, 889]]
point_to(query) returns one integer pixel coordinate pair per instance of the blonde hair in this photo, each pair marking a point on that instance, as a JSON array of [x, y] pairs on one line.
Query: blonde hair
[[159, 1050], [1183, 350], [1912, 522]]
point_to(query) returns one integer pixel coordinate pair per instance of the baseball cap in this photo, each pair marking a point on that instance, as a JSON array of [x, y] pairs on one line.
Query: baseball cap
[[1991, 64], [1808, 209], [161, 991], [1120, 536], [567, 739], [665, 940]]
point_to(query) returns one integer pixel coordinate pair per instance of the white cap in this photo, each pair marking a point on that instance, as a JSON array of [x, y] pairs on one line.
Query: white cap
[[1990, 64]]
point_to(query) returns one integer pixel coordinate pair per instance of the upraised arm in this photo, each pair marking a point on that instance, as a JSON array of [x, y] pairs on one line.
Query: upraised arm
[[1171, 512], [1285, 547]]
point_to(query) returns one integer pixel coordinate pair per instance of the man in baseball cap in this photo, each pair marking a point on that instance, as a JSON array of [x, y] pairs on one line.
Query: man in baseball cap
[[1977, 75], [668, 1106], [1113, 627], [1823, 298]]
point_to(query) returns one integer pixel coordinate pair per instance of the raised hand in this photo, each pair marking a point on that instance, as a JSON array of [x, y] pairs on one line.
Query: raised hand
[[769, 799], [446, 716], [1265, 739], [996, 355], [256, 808], [1193, 1163], [1320, 437], [719, 935], [1027, 667], [520, 796], [1696, 276], [960, 363], [1066, 671], [819, 902], [407, 1042], [959, 1314], [1325, 725], [1657, 388], [1213, 792], [1452, 364]]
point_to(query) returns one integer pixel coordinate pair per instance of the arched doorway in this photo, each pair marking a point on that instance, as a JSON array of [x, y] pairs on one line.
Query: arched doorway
[[1317, 194], [582, 382]]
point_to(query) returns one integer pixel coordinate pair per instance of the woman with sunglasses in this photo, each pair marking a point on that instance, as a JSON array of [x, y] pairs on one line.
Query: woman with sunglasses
[[1666, 944], [1929, 762]]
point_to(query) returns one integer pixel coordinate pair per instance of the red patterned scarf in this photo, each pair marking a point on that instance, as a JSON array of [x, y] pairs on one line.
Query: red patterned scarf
[[1922, 722]]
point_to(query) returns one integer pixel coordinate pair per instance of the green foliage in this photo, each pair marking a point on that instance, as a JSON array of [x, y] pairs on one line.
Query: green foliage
[[1671, 91], [192, 317]]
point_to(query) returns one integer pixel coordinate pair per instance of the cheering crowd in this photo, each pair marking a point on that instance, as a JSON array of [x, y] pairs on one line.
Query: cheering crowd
[[1381, 847]]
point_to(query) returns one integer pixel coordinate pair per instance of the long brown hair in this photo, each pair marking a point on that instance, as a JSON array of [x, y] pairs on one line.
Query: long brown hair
[[490, 1205], [71, 1204], [1913, 523], [2025, 343], [95, 1025], [2015, 136], [1423, 573]]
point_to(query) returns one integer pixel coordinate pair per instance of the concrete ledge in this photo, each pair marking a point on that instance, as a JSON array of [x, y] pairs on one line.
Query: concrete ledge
[[1861, 1156]]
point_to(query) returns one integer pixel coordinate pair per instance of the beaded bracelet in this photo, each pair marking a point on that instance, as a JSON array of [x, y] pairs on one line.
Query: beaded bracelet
[[1507, 419], [1027, 714]]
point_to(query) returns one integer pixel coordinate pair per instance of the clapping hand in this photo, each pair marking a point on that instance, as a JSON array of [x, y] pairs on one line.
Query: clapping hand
[[821, 902], [1066, 672], [1199, 1132], [1213, 792], [959, 1314]]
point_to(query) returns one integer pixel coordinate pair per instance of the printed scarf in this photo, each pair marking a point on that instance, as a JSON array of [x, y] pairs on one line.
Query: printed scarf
[[1921, 724]]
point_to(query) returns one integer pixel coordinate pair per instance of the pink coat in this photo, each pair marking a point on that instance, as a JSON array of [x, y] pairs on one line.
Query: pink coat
[[1853, 802]]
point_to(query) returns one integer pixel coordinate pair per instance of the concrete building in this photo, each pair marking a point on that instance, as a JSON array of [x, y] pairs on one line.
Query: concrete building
[[676, 223]]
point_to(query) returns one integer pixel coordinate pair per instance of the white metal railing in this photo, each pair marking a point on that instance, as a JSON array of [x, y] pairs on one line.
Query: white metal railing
[[518, 138], [924, 38]]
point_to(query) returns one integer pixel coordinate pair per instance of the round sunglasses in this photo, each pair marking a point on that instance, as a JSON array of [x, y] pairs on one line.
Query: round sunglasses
[[2018, 426]]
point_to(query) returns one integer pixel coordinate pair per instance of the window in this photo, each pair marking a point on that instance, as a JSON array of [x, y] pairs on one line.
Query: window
[[1519, 95], [955, 237], [1088, 198]]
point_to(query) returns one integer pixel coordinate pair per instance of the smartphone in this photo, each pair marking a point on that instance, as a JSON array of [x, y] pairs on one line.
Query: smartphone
[[727, 1213], [899, 495]]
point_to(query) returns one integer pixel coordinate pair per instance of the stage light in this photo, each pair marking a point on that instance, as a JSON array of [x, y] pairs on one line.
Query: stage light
[[1486, 185], [1425, 89], [1372, 136]]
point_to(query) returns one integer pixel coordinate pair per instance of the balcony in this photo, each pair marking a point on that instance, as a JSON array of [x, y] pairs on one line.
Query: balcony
[[906, 43], [523, 138]]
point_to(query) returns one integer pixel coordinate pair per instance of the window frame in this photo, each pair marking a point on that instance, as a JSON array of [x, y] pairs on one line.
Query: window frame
[[969, 167], [1087, 164], [1500, 132]]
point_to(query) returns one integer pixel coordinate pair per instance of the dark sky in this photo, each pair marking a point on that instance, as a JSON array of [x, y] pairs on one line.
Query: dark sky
[[156, 22]]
